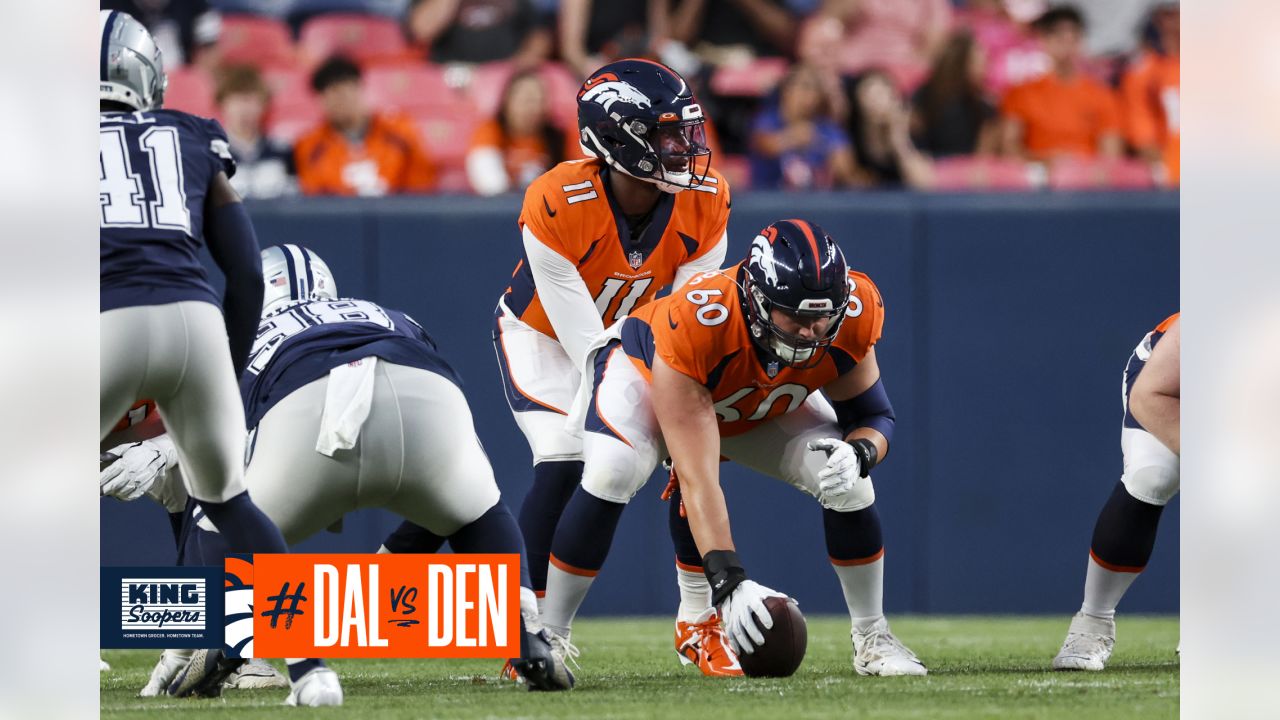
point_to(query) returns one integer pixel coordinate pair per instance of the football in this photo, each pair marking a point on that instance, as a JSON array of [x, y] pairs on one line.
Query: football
[[784, 643]]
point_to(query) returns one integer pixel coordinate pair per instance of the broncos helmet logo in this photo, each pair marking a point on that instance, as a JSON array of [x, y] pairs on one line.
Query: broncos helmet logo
[[762, 257], [611, 91]]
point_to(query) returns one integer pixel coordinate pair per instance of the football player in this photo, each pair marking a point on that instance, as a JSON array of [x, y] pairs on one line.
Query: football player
[[351, 406], [1126, 529], [163, 193], [731, 364]]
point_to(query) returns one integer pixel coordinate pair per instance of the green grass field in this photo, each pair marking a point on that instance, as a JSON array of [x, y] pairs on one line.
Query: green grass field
[[979, 667]]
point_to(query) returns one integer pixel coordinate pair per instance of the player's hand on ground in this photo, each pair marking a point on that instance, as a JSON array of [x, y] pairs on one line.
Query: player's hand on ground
[[742, 610], [842, 471], [140, 465]]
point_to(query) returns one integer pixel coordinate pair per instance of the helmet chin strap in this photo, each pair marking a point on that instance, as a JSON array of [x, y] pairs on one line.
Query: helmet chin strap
[[662, 184]]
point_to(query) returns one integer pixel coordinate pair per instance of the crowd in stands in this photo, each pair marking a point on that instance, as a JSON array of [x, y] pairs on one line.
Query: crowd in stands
[[375, 97]]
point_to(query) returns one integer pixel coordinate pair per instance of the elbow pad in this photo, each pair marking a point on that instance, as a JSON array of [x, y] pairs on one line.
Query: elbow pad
[[871, 409]]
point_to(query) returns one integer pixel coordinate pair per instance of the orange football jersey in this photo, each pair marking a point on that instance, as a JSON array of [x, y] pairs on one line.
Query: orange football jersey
[[702, 332], [571, 212], [1163, 327]]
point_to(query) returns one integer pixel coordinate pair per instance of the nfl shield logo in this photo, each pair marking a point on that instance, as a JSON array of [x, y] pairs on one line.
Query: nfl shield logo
[[772, 368], [635, 259]]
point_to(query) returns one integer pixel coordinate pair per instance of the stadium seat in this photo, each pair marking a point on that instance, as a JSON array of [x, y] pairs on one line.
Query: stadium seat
[[447, 131], [269, 8], [364, 38], [735, 168], [754, 79], [294, 109], [190, 90], [258, 41], [562, 92], [411, 88], [974, 173], [488, 80], [453, 181], [1095, 174]]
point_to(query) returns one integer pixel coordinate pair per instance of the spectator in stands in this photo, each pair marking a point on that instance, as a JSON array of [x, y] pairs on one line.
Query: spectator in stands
[[186, 31], [264, 168], [796, 144], [1013, 52], [880, 129], [900, 36], [732, 31], [594, 32], [1064, 112], [356, 151], [520, 144], [476, 31], [1150, 96], [951, 114]]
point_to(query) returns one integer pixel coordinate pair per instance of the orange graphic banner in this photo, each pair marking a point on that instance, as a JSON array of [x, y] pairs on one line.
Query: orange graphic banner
[[386, 606]]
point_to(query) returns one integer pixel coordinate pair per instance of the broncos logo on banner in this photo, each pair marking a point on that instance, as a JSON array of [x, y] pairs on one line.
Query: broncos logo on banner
[[238, 617], [607, 90], [762, 256]]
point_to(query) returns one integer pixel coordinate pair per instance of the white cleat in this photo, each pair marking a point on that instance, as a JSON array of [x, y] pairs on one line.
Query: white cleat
[[563, 650], [877, 652], [318, 688], [255, 675], [102, 665], [171, 662], [1088, 646]]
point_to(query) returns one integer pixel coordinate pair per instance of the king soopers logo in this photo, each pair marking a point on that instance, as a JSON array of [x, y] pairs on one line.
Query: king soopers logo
[[163, 604]]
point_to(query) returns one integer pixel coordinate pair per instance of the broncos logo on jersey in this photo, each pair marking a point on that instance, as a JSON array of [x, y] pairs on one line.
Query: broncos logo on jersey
[[607, 89]]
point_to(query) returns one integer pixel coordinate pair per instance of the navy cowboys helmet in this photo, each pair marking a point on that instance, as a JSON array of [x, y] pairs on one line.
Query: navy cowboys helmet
[[794, 267], [292, 274], [130, 69], [641, 118]]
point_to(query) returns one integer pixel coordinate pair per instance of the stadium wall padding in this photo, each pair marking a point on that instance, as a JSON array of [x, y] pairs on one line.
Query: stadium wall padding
[[1009, 321]]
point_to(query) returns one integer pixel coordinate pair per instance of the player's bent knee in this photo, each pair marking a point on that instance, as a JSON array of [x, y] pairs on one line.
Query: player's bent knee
[[861, 497], [1152, 484], [615, 475], [547, 437]]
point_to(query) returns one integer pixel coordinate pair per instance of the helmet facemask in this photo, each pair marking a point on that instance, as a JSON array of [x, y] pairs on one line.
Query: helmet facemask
[[672, 155], [791, 349]]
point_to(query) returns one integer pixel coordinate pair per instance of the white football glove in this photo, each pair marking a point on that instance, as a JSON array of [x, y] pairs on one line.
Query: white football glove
[[842, 471], [742, 610], [140, 465]]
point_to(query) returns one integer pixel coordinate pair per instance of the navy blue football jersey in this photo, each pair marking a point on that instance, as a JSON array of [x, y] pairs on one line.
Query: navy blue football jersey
[[155, 169], [304, 341]]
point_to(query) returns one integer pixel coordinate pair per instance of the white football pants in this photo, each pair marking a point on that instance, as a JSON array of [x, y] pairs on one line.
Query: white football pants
[[177, 355]]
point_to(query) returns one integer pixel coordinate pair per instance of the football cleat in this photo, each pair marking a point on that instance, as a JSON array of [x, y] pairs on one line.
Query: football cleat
[[103, 666], [543, 667], [705, 645], [204, 674], [255, 675], [318, 688], [877, 652], [1088, 646], [170, 664]]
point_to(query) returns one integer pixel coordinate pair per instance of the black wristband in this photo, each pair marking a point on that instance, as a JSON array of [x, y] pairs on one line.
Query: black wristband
[[724, 571], [867, 455]]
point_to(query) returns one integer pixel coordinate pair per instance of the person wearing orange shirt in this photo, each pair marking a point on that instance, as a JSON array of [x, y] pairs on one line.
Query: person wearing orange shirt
[[732, 364], [1064, 112], [1149, 93], [521, 143], [356, 151]]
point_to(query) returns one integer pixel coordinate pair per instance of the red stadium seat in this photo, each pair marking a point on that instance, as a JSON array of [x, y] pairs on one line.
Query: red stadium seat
[[735, 168], [1095, 174], [447, 132], [754, 79], [453, 181], [365, 39], [190, 90], [294, 108], [488, 80], [255, 40], [562, 93], [973, 173], [410, 88]]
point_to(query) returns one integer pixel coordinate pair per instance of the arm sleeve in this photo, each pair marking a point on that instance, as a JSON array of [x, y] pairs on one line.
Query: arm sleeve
[[234, 247], [564, 296], [707, 262], [486, 171]]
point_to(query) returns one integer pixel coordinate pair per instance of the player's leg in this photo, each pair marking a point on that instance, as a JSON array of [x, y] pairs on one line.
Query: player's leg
[[540, 383], [1123, 539], [446, 488], [123, 360], [855, 544], [622, 446], [202, 410]]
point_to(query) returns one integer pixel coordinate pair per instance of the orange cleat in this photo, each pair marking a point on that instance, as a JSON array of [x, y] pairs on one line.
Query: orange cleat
[[705, 644]]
